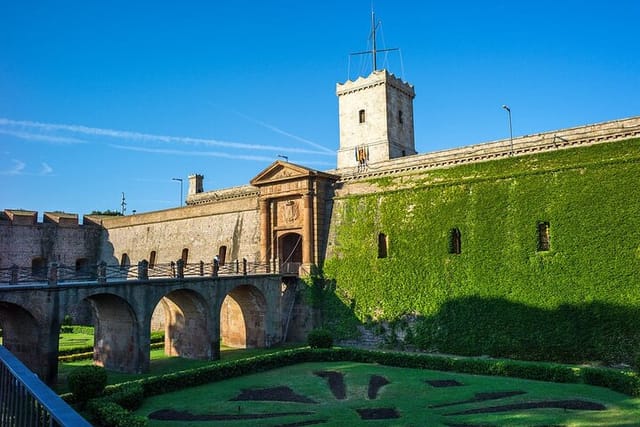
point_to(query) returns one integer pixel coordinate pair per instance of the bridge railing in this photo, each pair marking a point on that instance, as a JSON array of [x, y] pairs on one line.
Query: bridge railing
[[27, 401], [55, 274]]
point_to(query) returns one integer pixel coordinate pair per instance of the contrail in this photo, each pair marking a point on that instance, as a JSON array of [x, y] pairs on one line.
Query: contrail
[[206, 154], [145, 137], [287, 134], [44, 138]]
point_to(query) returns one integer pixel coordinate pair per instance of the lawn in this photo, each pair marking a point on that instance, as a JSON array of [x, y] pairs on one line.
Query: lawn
[[414, 400], [160, 364]]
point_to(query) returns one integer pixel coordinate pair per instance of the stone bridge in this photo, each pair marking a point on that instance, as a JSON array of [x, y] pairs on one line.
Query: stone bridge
[[243, 311]]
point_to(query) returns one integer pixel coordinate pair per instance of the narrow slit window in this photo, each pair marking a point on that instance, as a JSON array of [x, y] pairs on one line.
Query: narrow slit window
[[361, 116], [455, 241], [400, 119], [152, 259], [543, 237], [185, 256], [222, 255], [382, 245]]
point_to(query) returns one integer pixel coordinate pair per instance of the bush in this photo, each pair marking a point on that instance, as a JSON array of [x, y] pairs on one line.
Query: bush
[[129, 396], [87, 382], [320, 338], [621, 381], [110, 414]]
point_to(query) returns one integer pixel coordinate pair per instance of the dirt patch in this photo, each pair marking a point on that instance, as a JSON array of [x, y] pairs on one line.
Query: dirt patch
[[278, 394], [575, 405], [376, 382], [482, 397], [172, 415], [378, 413], [443, 383], [336, 383]]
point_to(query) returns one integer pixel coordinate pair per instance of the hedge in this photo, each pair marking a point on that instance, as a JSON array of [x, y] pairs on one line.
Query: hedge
[[111, 412], [500, 296]]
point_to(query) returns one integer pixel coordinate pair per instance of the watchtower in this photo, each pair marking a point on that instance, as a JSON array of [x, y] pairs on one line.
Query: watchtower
[[375, 116]]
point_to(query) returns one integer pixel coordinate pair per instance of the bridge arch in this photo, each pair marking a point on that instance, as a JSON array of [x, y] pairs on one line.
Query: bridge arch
[[187, 325], [21, 334], [116, 343], [243, 318]]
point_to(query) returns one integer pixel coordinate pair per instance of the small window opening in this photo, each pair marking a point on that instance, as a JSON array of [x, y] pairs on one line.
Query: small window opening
[[382, 245], [152, 259], [39, 267], [400, 119], [185, 256], [222, 254], [455, 241], [82, 265], [543, 236], [361, 116]]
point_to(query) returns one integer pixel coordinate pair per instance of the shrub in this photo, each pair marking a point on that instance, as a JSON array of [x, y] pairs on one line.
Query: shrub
[[129, 396], [110, 414], [622, 381], [87, 382], [320, 338]]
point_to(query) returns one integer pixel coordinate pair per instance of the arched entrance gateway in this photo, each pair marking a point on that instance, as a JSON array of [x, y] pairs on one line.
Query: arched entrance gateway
[[294, 215]]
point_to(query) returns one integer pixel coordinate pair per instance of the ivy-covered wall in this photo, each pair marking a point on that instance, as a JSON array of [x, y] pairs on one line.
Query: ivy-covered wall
[[499, 296]]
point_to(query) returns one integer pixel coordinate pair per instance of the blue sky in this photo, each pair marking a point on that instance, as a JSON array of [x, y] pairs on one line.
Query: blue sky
[[101, 98]]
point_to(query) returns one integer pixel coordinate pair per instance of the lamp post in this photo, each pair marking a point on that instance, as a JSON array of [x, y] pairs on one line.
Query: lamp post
[[506, 107], [179, 179]]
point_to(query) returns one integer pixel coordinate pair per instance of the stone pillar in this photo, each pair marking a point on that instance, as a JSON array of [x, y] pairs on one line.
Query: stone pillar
[[307, 229], [53, 274], [180, 268], [265, 231], [143, 270], [102, 273], [14, 275]]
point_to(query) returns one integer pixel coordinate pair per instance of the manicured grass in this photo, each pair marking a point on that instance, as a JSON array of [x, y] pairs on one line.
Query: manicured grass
[[69, 340], [407, 392], [160, 364]]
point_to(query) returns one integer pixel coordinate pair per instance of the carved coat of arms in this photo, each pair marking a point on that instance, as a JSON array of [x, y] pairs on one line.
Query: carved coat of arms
[[290, 211]]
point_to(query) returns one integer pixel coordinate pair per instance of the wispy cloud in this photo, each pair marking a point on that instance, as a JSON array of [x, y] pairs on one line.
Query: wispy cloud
[[46, 169], [42, 137], [208, 154], [276, 129], [17, 169], [145, 137]]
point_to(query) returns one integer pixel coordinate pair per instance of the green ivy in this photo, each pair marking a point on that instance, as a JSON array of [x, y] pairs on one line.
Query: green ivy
[[500, 296]]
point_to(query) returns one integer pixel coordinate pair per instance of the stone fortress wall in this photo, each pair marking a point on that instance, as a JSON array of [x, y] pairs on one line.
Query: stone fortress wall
[[230, 217]]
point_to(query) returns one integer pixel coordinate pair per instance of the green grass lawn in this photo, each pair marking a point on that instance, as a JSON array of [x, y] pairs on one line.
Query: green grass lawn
[[74, 340], [407, 392], [160, 364]]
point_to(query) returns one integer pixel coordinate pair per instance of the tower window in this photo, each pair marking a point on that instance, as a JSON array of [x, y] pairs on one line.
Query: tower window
[[152, 259], [543, 236], [455, 241], [185, 256], [382, 245], [400, 119], [125, 262], [361, 116]]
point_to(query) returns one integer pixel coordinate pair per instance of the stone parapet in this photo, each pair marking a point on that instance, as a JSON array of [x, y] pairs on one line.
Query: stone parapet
[[615, 130], [223, 194]]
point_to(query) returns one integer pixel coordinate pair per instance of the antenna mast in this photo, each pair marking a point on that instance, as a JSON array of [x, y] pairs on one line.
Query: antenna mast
[[374, 51]]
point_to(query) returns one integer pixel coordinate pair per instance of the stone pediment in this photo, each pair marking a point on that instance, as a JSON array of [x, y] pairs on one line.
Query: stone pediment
[[280, 171]]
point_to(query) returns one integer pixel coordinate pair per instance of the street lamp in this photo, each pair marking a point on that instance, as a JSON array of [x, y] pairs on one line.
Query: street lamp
[[506, 107], [179, 179]]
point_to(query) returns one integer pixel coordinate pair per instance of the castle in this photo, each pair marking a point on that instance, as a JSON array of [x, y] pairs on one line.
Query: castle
[[471, 233]]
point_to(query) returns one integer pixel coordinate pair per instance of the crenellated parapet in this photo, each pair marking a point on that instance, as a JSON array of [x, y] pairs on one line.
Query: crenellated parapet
[[28, 217]]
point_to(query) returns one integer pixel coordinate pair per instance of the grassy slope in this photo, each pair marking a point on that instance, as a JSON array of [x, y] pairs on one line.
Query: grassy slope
[[407, 392]]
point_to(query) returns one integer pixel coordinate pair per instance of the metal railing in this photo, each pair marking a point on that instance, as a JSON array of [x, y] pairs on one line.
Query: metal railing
[[55, 274], [25, 401]]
